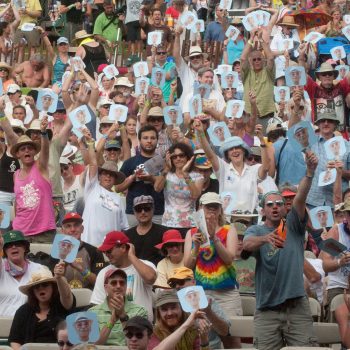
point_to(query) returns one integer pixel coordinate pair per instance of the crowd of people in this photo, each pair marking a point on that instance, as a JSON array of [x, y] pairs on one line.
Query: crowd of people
[[180, 168]]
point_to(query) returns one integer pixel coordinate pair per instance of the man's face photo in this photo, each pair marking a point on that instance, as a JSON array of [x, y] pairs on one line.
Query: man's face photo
[[302, 136], [193, 298], [2, 215], [65, 247], [235, 109], [46, 101], [159, 77], [335, 148], [83, 328], [282, 93], [295, 75], [173, 115], [81, 117], [219, 133], [322, 217], [229, 80]]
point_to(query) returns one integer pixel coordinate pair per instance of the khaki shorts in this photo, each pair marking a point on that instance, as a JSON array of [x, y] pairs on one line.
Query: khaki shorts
[[228, 300], [32, 38]]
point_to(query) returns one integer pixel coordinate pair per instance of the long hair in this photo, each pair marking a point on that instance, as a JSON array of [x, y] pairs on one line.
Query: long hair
[[33, 301], [187, 150], [161, 331]]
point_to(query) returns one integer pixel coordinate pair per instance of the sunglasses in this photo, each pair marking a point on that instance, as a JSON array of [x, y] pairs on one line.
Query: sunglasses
[[255, 158], [155, 119], [278, 202], [326, 74], [178, 283], [197, 57], [114, 283], [106, 106], [64, 167], [176, 156], [42, 285], [113, 149], [257, 59], [62, 343], [161, 53], [62, 44], [145, 208], [4, 70], [138, 335]]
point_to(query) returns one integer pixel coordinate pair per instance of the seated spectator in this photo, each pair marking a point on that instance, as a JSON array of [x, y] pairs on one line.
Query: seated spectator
[[62, 337], [138, 331], [49, 301], [141, 273], [172, 247], [89, 261], [146, 234], [15, 271], [116, 309], [5, 73], [170, 320]]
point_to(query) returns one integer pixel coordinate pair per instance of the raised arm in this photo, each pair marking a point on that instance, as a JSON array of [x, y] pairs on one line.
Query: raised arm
[[93, 166], [65, 132], [265, 44], [265, 161], [94, 96], [66, 295], [47, 43], [176, 48], [6, 126], [45, 148]]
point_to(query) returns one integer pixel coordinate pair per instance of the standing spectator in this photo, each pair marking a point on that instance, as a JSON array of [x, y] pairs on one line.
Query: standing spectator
[[139, 183], [233, 49], [146, 234], [215, 30], [73, 9], [15, 271], [141, 273], [88, 262], [280, 262]]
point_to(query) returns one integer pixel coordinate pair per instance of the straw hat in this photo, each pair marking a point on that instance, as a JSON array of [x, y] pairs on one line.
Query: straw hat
[[195, 51], [41, 276], [112, 168], [24, 140], [327, 67], [35, 126], [288, 21], [82, 34], [5, 65]]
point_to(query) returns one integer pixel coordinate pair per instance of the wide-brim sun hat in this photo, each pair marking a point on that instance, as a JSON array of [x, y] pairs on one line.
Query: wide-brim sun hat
[[24, 140], [5, 65], [327, 67], [327, 116], [170, 236], [195, 51], [112, 168], [234, 141], [81, 34], [35, 126], [44, 275], [288, 21]]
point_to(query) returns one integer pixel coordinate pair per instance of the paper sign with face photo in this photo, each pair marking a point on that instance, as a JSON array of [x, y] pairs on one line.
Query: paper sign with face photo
[[332, 247], [118, 113], [158, 77], [263, 17], [28, 27], [335, 148], [195, 106], [327, 177], [338, 53], [285, 44], [281, 93], [47, 101], [224, 68], [198, 26], [155, 165], [346, 19], [201, 89], [229, 80], [232, 33], [83, 327], [141, 86], [313, 37], [343, 70], [5, 212], [110, 71], [19, 4], [295, 76], [77, 63], [346, 31], [1, 88], [225, 4], [140, 69], [234, 109], [187, 19], [321, 217], [65, 248], [302, 136], [192, 298], [250, 21], [201, 224], [218, 132], [154, 38], [228, 202], [80, 116], [172, 115]]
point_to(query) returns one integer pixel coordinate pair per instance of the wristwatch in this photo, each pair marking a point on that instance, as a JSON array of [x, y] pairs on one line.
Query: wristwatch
[[124, 319]]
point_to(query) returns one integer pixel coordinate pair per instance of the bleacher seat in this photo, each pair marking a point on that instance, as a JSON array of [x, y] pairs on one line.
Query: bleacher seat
[[5, 347], [336, 301], [242, 326], [40, 247], [46, 346], [248, 305], [82, 296], [5, 326], [304, 348], [315, 307]]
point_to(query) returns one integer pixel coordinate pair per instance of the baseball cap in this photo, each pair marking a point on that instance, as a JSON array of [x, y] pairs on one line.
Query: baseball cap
[[166, 297], [143, 200], [210, 197], [72, 217], [140, 323], [64, 160], [62, 40], [13, 88], [14, 236], [113, 238], [180, 273], [155, 112], [114, 271], [112, 144]]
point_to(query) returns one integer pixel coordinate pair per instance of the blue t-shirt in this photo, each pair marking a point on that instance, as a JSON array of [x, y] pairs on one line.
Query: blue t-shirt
[[279, 272], [139, 188], [234, 50], [214, 32]]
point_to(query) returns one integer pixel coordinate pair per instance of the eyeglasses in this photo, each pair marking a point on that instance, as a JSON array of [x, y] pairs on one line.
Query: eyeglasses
[[62, 44], [278, 202], [326, 74], [176, 156], [138, 335], [112, 149], [145, 208], [62, 343], [155, 119], [114, 283], [257, 59], [161, 53], [4, 70], [197, 57]]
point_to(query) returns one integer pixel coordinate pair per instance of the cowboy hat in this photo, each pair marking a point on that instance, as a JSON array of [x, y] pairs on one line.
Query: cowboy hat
[[35, 126], [288, 21], [327, 67], [43, 275], [112, 168], [82, 34], [24, 140], [195, 51]]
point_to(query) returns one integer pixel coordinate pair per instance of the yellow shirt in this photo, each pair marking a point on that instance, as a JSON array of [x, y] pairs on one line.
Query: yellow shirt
[[31, 5]]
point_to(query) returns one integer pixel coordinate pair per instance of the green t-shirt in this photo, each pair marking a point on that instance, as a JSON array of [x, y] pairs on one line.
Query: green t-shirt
[[110, 33]]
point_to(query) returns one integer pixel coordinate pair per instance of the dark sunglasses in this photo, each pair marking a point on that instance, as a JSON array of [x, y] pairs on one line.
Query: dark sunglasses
[[106, 106], [257, 59], [62, 343], [161, 53], [178, 283], [64, 167], [176, 156], [138, 335], [155, 119], [256, 158], [197, 57], [4, 70], [114, 283], [326, 74], [145, 208], [113, 149], [42, 285], [278, 202]]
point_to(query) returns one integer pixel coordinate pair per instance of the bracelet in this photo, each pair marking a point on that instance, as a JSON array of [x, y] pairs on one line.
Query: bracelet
[[109, 325], [309, 176], [124, 319], [193, 254]]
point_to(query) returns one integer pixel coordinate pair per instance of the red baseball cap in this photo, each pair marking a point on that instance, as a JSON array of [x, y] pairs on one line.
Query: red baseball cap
[[114, 271], [170, 236], [288, 193], [113, 238], [101, 67], [72, 217]]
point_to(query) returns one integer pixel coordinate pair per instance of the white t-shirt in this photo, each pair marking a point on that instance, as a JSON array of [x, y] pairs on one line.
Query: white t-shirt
[[215, 99], [317, 287], [137, 290], [72, 194], [104, 212], [10, 296]]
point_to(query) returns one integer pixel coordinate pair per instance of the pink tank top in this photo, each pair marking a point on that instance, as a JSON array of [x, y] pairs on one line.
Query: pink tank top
[[34, 209]]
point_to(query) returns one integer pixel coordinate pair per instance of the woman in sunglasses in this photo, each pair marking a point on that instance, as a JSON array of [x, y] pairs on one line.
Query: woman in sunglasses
[[62, 337], [212, 262], [49, 301], [182, 186]]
